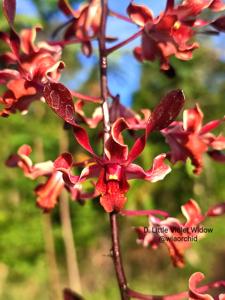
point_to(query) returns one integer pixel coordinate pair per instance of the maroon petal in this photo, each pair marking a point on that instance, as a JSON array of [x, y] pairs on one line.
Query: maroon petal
[[192, 119], [115, 148], [218, 143], [94, 120], [25, 150], [216, 210], [217, 155], [9, 10], [166, 111], [71, 295], [193, 290], [169, 5], [8, 74], [164, 114], [192, 8], [192, 213], [139, 14], [65, 7], [23, 161], [211, 125], [28, 37], [217, 5], [59, 98], [49, 192], [219, 24], [158, 171], [64, 164]]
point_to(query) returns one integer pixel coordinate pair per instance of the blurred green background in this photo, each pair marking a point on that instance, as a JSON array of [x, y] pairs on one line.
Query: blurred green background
[[25, 233]]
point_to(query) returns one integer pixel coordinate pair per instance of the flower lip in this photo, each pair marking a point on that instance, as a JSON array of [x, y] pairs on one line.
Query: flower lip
[[113, 172]]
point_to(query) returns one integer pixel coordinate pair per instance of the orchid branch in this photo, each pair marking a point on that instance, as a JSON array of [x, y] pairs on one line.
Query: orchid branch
[[125, 42], [117, 259], [103, 71]]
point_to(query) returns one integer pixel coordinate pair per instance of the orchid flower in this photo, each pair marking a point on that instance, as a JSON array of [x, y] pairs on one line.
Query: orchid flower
[[192, 139], [116, 167], [170, 33], [47, 193], [177, 236], [85, 23], [28, 67]]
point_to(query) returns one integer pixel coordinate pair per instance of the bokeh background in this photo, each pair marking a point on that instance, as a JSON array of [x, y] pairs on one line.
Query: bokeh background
[[32, 251]]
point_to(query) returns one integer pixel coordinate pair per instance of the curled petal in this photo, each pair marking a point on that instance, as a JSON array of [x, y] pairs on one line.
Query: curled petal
[[49, 192], [23, 161], [192, 213], [193, 7], [216, 210], [158, 171], [192, 119], [8, 74], [28, 37], [64, 164], [193, 292], [115, 148], [139, 14], [217, 5], [95, 118]]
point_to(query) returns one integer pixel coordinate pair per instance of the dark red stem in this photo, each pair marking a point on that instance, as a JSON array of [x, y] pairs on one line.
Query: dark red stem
[[103, 71], [117, 259], [125, 42], [86, 97], [119, 16]]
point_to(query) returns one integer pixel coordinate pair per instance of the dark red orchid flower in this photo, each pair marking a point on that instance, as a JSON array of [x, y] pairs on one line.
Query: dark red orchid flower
[[177, 236], [196, 293], [117, 167], [170, 33], [116, 110], [27, 68], [191, 139], [136, 121], [47, 193], [85, 24]]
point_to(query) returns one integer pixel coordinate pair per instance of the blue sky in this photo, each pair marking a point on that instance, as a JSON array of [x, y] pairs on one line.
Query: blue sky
[[126, 80]]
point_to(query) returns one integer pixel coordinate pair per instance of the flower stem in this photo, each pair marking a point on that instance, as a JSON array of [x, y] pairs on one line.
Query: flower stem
[[151, 212], [119, 16], [86, 97], [103, 71], [125, 42], [117, 259]]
